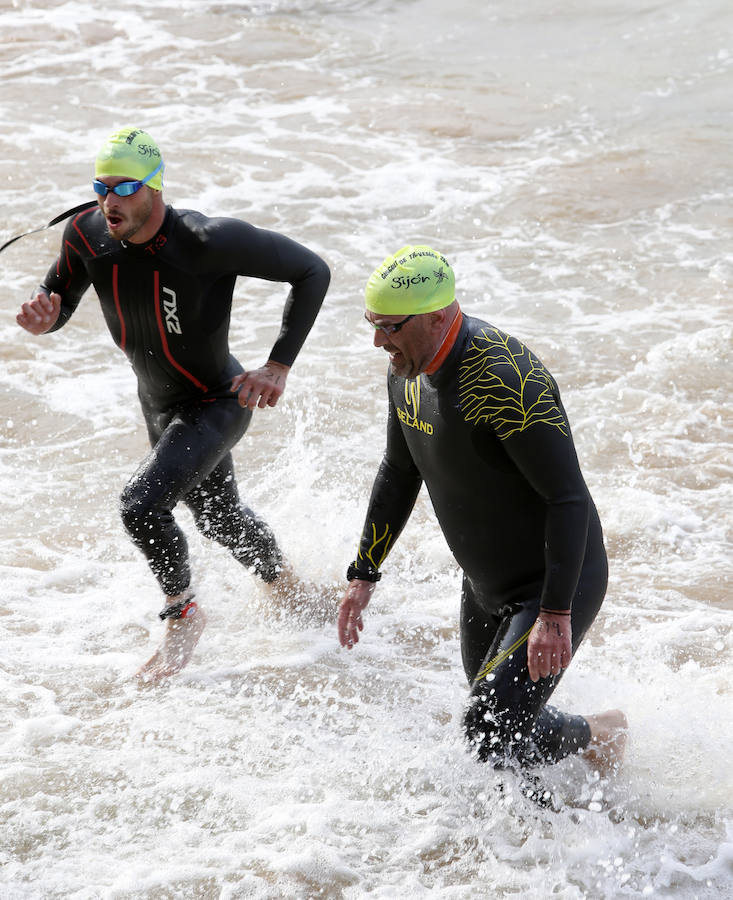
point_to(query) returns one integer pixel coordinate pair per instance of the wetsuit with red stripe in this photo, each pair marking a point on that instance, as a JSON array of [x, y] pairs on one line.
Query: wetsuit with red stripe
[[488, 435], [167, 304]]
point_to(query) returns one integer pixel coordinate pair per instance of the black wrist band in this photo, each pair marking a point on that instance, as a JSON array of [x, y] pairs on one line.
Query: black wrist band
[[369, 574], [556, 612]]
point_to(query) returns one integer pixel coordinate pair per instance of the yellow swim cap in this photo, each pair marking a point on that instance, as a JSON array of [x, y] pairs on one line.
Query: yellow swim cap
[[130, 153], [416, 279]]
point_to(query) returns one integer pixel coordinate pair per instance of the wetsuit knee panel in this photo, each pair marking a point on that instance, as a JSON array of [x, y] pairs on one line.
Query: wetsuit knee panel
[[138, 505], [132, 507], [491, 733]]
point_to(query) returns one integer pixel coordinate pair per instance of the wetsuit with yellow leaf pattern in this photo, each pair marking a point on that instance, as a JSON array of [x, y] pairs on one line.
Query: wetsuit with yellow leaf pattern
[[489, 436]]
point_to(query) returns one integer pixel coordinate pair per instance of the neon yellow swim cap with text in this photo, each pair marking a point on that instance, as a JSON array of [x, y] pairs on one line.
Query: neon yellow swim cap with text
[[130, 153], [414, 280]]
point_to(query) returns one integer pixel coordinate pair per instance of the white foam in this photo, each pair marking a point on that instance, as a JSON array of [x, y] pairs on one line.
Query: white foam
[[574, 168]]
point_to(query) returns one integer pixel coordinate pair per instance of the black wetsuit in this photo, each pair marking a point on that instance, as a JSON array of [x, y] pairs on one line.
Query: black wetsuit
[[489, 436], [167, 304]]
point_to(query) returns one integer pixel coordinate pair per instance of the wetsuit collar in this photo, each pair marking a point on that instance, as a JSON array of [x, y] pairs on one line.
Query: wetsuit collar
[[446, 344], [156, 243]]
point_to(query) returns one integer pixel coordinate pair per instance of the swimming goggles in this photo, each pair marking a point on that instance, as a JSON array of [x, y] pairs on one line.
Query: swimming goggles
[[124, 188], [392, 328]]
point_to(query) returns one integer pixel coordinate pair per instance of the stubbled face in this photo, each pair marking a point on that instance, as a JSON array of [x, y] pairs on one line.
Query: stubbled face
[[410, 349], [125, 216]]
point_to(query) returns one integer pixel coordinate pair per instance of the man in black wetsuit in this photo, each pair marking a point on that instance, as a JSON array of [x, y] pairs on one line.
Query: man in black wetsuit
[[164, 278], [475, 415]]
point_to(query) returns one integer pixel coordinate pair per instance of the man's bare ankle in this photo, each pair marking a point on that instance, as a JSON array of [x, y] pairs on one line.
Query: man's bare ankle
[[608, 736]]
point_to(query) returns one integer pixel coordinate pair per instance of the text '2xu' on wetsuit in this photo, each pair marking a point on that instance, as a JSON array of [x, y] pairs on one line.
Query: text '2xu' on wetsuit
[[489, 436], [167, 304]]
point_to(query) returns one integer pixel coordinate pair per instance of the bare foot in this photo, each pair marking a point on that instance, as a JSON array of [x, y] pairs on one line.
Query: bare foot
[[608, 735], [179, 641], [316, 603]]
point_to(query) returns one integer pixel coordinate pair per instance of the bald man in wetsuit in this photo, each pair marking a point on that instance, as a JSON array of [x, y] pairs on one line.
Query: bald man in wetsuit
[[476, 416], [165, 278]]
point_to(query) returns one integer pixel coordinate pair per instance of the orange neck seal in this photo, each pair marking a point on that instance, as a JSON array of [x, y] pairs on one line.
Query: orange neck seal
[[446, 344]]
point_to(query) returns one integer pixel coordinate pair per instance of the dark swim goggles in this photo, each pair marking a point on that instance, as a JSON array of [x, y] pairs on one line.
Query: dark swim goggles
[[393, 328], [124, 188]]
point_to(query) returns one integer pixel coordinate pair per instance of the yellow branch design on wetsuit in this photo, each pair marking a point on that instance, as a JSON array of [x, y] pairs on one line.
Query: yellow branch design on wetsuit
[[500, 657], [380, 543], [510, 400], [412, 396]]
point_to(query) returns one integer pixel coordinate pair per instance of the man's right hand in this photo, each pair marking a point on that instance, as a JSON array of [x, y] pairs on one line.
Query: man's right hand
[[356, 598], [40, 313]]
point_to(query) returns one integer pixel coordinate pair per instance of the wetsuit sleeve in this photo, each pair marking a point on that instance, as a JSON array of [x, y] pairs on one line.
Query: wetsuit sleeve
[[258, 253], [545, 455], [67, 276], [392, 498]]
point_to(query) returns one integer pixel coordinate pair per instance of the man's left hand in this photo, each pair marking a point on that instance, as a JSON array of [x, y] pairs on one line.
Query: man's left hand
[[549, 647], [261, 387]]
